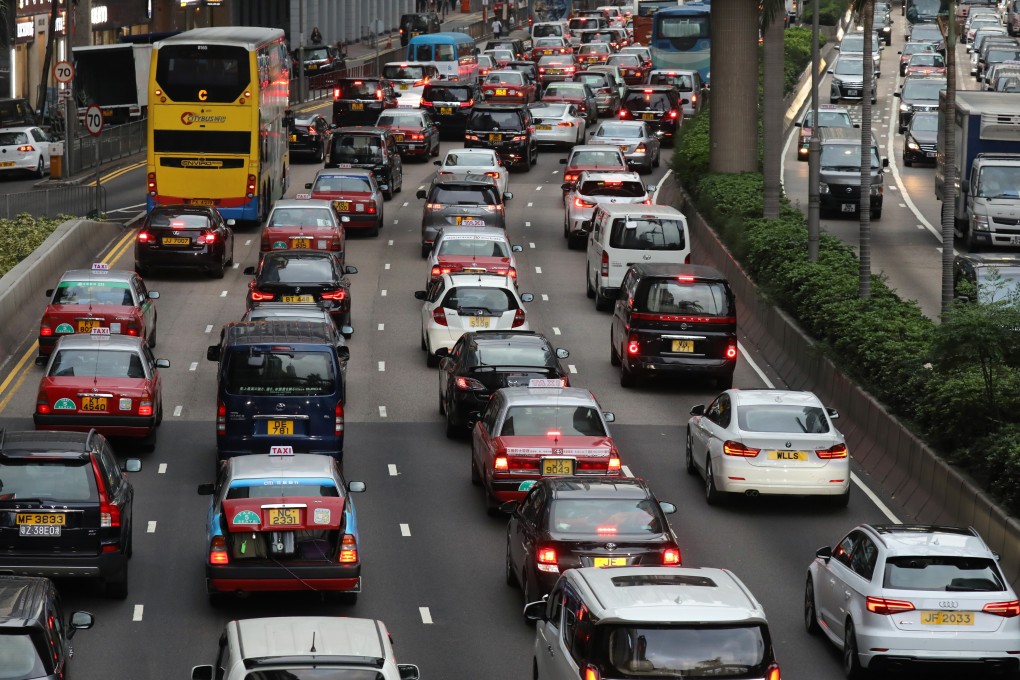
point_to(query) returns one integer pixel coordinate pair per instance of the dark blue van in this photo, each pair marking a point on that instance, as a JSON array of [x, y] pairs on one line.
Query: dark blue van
[[280, 383]]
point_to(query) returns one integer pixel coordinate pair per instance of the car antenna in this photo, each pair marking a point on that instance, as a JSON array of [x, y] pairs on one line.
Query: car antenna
[[313, 650]]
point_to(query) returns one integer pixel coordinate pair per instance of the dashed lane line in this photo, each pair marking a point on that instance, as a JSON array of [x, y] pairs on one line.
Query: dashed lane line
[[392, 469], [208, 329], [382, 411], [162, 469], [177, 411], [193, 366], [151, 527], [426, 616], [405, 530], [139, 610]]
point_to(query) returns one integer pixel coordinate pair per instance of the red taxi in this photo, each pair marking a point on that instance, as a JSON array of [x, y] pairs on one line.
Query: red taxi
[[472, 250], [598, 158], [98, 298], [543, 430], [354, 195], [100, 381], [304, 225], [510, 87], [593, 53], [550, 45]]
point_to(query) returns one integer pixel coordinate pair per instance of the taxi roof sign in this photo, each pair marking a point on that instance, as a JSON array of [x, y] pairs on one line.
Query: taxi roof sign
[[99, 331], [302, 196], [545, 382], [100, 267], [281, 450]]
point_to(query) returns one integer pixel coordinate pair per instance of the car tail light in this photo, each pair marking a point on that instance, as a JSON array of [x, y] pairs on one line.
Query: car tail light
[[470, 102], [336, 93], [209, 237], [591, 673], [512, 273], [641, 148], [518, 319], [570, 177], [836, 451], [416, 137], [494, 175], [144, 237], [109, 513], [732, 448], [218, 551], [379, 94], [624, 113], [581, 203], [541, 69], [439, 316], [882, 605], [145, 408], [259, 296], [340, 294], [546, 561], [468, 384], [26, 148], [570, 69], [671, 557], [633, 345], [1005, 609], [674, 113], [604, 270], [42, 405], [334, 245], [45, 331], [773, 672], [566, 124], [338, 418], [221, 418], [349, 549], [425, 103], [251, 186], [151, 183], [438, 271], [694, 99], [500, 464], [614, 464], [731, 352]]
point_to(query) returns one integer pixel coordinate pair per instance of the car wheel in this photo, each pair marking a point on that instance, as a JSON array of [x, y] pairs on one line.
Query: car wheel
[[528, 597], [442, 403], [527, 161], [810, 615], [425, 250], [840, 501], [851, 661], [116, 587], [689, 454], [589, 291], [627, 377], [374, 231], [658, 155], [40, 171], [152, 337], [907, 162], [876, 214], [159, 414], [453, 431], [431, 360], [712, 494], [602, 303], [566, 228], [476, 479], [218, 271], [511, 577], [491, 504], [614, 358]]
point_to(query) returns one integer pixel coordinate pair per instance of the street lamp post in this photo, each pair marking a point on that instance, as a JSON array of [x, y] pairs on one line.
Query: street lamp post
[[815, 145]]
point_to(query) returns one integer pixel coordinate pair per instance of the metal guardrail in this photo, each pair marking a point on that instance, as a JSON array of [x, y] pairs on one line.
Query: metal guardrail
[[115, 142], [72, 199]]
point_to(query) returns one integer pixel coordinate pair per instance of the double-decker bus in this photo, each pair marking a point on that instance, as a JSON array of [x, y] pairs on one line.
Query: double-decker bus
[[216, 132], [642, 17], [681, 38]]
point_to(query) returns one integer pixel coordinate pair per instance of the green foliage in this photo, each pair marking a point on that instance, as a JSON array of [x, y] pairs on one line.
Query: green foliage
[[797, 46], [691, 148], [999, 457], [829, 12], [20, 236]]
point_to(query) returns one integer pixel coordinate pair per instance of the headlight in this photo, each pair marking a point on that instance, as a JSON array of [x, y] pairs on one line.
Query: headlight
[[981, 221], [823, 188], [913, 146], [906, 108], [836, 84]]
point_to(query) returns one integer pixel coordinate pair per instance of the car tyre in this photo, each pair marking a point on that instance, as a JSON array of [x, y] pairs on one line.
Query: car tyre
[[689, 454], [431, 360], [511, 577], [476, 479], [810, 614], [627, 377], [588, 290], [218, 599], [152, 337], [453, 431], [425, 250], [40, 171], [907, 163], [491, 504], [658, 155], [614, 358], [712, 494], [851, 660], [840, 501], [602, 303]]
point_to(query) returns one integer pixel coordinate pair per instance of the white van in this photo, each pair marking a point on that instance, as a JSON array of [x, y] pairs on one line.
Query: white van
[[622, 235]]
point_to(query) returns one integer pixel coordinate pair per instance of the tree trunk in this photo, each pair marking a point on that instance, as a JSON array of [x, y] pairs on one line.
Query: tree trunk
[[734, 114], [51, 36], [773, 115], [949, 149], [868, 14]]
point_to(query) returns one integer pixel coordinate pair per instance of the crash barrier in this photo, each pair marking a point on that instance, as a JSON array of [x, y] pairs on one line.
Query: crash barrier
[[69, 199], [115, 142]]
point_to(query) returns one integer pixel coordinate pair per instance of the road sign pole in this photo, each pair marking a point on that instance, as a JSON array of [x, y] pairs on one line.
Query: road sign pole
[[98, 188], [94, 125]]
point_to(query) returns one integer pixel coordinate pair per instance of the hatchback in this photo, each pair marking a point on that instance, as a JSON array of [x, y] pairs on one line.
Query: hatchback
[[24, 149], [658, 106], [185, 237], [460, 163]]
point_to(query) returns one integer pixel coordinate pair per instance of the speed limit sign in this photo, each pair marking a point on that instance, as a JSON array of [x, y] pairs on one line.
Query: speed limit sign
[[63, 72], [94, 120]]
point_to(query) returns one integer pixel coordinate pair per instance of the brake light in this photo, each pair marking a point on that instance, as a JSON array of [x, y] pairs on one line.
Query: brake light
[[773, 673], [209, 237], [218, 551], [694, 99], [512, 273], [673, 114], [133, 328], [1005, 609], [26, 148], [494, 175], [641, 148], [144, 237], [581, 203], [439, 316], [604, 270], [614, 464], [541, 69], [545, 560], [836, 451], [42, 406], [624, 113], [671, 556], [592, 673], [145, 408], [259, 296], [312, 132], [425, 103], [349, 550], [251, 186], [470, 102], [338, 418], [731, 352], [151, 183], [336, 93], [438, 271], [565, 123], [500, 464], [334, 295], [468, 384], [45, 331], [518, 319], [882, 605], [109, 513], [570, 177], [633, 346], [732, 448], [221, 418]]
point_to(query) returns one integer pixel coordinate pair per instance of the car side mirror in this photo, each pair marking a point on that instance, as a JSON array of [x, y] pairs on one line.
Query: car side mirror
[[212, 352], [563, 161], [231, 222], [204, 672], [79, 621], [308, 185], [420, 294], [356, 487], [885, 162], [567, 186], [508, 508], [527, 297], [507, 195], [896, 94], [535, 611], [207, 489], [836, 47], [408, 671], [516, 249], [609, 416], [562, 353], [824, 554], [343, 353], [685, 101], [442, 352], [347, 331], [131, 465], [249, 271], [900, 52], [857, 126], [420, 194], [49, 292], [438, 164], [153, 294], [667, 508], [698, 410], [162, 363], [350, 269], [829, 71]]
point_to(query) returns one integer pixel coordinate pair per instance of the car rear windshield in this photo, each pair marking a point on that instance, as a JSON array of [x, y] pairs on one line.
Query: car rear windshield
[[583, 24], [100, 363], [454, 194], [647, 101], [854, 42], [942, 573], [64, 480], [491, 300], [829, 119], [597, 158], [682, 82], [565, 90], [13, 138], [356, 148], [629, 60], [593, 80], [255, 372], [541, 31], [273, 488], [548, 111], [342, 183], [618, 188], [394, 72], [508, 355], [178, 222], [283, 269], [321, 672], [789, 418], [19, 659], [301, 217], [595, 48], [401, 119], [916, 88], [496, 120], [670, 296], [447, 94], [1001, 54], [553, 41], [927, 59], [472, 247], [505, 78], [703, 651], [316, 53], [358, 89], [647, 233], [605, 517], [470, 159], [539, 421], [618, 130], [93, 293]]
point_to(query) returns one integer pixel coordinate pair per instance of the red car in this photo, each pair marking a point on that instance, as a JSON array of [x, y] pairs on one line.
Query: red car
[[355, 197], [98, 298], [632, 67], [552, 45], [593, 53], [555, 68], [414, 130], [509, 87], [541, 430], [925, 64], [472, 250], [598, 158], [100, 381], [302, 225]]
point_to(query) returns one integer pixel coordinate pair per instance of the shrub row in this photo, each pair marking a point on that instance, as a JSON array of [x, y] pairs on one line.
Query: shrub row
[[829, 12], [797, 52], [20, 236]]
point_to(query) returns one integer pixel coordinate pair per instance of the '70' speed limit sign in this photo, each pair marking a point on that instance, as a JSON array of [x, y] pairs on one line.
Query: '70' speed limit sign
[[63, 72], [94, 120]]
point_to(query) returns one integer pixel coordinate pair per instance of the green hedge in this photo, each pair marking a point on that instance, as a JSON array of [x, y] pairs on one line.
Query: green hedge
[[19, 237], [797, 48], [829, 12]]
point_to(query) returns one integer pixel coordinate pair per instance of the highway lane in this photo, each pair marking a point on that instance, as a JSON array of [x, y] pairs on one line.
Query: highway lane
[[451, 563]]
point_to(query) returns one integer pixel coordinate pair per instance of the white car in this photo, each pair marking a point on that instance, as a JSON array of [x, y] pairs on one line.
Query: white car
[[768, 442], [409, 79], [899, 595], [460, 163], [24, 149], [558, 123], [472, 250], [644, 52], [593, 188], [457, 303]]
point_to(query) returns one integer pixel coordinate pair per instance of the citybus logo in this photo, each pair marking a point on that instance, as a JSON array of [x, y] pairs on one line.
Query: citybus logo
[[188, 118]]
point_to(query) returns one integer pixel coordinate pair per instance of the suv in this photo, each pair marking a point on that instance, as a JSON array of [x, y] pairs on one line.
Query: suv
[[688, 83], [840, 178], [36, 642], [419, 23], [359, 101], [320, 59], [371, 148], [829, 115], [473, 201], [305, 646], [593, 188], [451, 103], [848, 80], [674, 318], [919, 93], [507, 129], [650, 621], [853, 44], [408, 79], [658, 106], [895, 595], [66, 505]]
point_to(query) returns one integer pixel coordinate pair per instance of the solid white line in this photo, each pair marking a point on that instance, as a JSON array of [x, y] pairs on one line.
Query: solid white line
[[382, 366], [405, 530], [382, 411], [572, 368], [248, 242], [655, 195], [538, 270], [137, 616], [208, 329], [626, 471], [531, 245], [223, 293], [162, 469], [545, 298], [193, 366], [383, 292], [151, 528], [386, 266], [875, 499], [382, 326], [556, 330], [426, 617], [754, 365], [392, 469], [177, 411]]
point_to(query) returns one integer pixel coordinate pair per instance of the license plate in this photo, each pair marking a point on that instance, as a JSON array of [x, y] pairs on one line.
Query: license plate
[[7, 164], [176, 241], [468, 222], [93, 404], [446, 110], [943, 618], [1014, 240], [305, 299], [788, 455], [342, 206], [201, 201], [852, 93], [609, 562], [280, 427], [683, 345], [41, 518], [86, 325], [555, 71], [313, 67], [357, 106], [284, 517], [501, 92], [647, 116], [544, 127], [399, 138], [39, 530], [301, 243], [404, 87], [495, 137], [293, 138], [849, 207], [558, 466], [478, 322], [592, 60], [929, 154]]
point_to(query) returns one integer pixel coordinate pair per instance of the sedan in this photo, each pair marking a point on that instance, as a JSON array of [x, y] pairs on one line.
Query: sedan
[[921, 138], [500, 58], [632, 67], [354, 195], [640, 146], [303, 277], [593, 53], [925, 64], [309, 135], [485, 65], [508, 87], [555, 67], [475, 250], [578, 94], [415, 132], [460, 163], [25, 149], [560, 124], [541, 47], [185, 237], [296, 224], [590, 157], [768, 442], [910, 49]]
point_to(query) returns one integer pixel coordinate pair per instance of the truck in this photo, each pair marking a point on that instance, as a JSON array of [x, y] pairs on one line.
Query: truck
[[987, 134], [115, 78]]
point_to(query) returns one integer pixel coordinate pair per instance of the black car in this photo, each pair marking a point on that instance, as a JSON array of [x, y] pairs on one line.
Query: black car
[[883, 22], [919, 93], [484, 361], [372, 148], [507, 129], [185, 237], [359, 101], [304, 277], [989, 276], [674, 319], [657, 105], [35, 641], [65, 507], [929, 33], [320, 59], [419, 23], [921, 138], [451, 104], [309, 135], [572, 522]]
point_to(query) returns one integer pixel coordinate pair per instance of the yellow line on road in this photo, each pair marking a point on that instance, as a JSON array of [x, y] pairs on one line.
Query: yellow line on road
[[117, 173]]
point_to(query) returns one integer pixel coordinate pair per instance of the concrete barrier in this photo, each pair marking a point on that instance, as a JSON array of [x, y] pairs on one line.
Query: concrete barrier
[[72, 245]]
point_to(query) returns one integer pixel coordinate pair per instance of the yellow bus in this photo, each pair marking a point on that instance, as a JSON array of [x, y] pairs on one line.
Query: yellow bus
[[216, 130]]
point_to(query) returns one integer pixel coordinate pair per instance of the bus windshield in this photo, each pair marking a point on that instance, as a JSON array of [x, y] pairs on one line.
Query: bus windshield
[[674, 27], [221, 71]]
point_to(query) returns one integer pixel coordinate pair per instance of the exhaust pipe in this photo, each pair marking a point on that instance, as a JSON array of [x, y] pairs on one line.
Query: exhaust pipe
[[751, 493]]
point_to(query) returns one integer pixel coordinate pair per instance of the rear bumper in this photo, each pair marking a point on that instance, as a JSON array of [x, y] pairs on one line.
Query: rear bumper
[[413, 148], [700, 365], [228, 447], [362, 220], [178, 259], [64, 566], [510, 489], [110, 426], [258, 578]]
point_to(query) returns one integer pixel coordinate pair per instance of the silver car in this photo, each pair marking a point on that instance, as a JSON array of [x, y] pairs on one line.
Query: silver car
[[470, 202], [640, 146], [607, 93], [559, 124], [459, 163]]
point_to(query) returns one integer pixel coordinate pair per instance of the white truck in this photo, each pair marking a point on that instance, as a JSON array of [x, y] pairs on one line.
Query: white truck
[[115, 78]]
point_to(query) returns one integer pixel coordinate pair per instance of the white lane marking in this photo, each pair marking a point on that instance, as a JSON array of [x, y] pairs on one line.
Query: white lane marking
[[538, 188], [162, 469], [405, 530], [223, 293], [383, 292], [538, 270], [895, 170], [655, 195], [892, 187], [755, 366], [938, 248], [556, 172], [386, 266], [177, 411], [236, 265], [248, 242], [392, 469], [394, 222], [545, 298], [626, 471], [530, 204], [151, 528], [556, 330], [193, 366], [382, 366], [382, 326], [208, 329], [390, 242], [531, 245], [572, 368], [137, 616], [426, 617], [903, 205], [421, 187], [527, 224], [919, 226], [405, 205], [382, 411]]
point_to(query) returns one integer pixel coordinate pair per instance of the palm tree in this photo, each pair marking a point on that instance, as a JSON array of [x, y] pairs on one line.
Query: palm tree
[[865, 9], [772, 123], [949, 151]]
